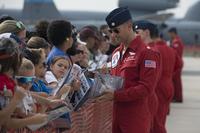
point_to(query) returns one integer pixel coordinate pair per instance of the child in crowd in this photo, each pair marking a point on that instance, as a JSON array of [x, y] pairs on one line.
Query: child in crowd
[[37, 56], [59, 67], [25, 78], [59, 34], [11, 95]]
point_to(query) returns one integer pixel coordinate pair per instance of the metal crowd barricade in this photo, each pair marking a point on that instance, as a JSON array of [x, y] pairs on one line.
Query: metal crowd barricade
[[94, 117], [45, 129]]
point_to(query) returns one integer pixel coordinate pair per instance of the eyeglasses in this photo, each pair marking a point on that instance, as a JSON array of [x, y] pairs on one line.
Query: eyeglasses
[[25, 79], [114, 30]]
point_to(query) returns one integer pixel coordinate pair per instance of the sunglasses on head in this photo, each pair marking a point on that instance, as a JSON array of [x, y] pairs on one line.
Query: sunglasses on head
[[114, 30], [25, 79], [19, 24]]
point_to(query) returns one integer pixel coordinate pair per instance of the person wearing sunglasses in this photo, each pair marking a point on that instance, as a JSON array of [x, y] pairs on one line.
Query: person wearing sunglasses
[[138, 65], [37, 56]]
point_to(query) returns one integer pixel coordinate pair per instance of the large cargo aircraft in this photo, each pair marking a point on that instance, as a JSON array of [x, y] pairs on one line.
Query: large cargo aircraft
[[188, 27]]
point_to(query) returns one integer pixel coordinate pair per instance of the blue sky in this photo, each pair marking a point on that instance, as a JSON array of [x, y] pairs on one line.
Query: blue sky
[[93, 5]]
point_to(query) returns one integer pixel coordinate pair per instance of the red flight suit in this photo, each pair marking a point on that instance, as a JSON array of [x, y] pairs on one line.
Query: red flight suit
[[178, 46], [138, 67], [153, 99], [165, 88]]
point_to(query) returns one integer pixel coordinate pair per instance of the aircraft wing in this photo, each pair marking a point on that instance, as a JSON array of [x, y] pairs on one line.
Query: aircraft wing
[[155, 17]]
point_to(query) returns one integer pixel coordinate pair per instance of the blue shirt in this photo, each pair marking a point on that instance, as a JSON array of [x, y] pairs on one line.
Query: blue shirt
[[53, 53], [40, 86]]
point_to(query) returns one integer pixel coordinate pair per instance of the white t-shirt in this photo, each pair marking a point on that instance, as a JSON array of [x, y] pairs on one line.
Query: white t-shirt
[[27, 103], [50, 77]]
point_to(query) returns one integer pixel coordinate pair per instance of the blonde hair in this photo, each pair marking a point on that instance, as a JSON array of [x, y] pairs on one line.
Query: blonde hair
[[56, 58], [37, 42], [12, 26], [26, 66]]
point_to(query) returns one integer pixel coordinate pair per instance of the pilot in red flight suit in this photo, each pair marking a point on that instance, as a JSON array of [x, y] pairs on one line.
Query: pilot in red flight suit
[[178, 46], [144, 29], [164, 90], [138, 65]]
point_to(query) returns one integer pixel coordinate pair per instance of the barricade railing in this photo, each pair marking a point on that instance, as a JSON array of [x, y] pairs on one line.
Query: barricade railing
[[93, 117]]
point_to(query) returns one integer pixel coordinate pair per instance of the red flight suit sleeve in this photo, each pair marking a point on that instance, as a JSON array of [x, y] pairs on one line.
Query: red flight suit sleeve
[[178, 63], [148, 78]]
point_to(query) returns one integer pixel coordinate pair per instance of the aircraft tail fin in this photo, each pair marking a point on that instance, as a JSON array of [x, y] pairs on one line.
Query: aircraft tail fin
[[193, 12], [37, 9]]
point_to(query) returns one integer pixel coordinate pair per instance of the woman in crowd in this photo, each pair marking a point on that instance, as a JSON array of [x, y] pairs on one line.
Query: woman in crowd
[[10, 60], [17, 28], [38, 42], [37, 56]]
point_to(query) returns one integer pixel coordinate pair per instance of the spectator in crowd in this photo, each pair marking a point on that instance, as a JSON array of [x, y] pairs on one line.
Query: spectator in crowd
[[59, 34], [58, 68], [91, 38], [104, 30], [37, 57], [15, 27], [25, 78], [41, 29], [10, 61], [101, 58], [38, 42]]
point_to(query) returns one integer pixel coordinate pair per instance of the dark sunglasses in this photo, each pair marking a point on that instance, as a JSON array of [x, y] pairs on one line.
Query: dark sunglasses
[[79, 51], [114, 30], [25, 79]]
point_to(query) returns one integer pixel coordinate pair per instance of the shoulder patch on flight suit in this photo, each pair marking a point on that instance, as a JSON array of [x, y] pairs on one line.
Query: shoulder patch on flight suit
[[115, 59], [149, 64]]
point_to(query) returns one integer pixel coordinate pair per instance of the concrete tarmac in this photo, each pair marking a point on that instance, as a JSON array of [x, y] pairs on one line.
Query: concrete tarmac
[[185, 117]]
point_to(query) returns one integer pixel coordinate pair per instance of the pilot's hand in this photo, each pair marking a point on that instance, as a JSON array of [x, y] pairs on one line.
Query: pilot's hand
[[107, 95]]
